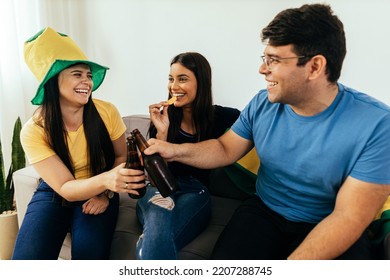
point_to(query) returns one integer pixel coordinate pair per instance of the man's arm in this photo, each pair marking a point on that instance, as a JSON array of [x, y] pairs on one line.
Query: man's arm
[[206, 154], [357, 204]]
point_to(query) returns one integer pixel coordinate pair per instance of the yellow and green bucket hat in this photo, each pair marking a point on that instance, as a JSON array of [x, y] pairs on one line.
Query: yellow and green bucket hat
[[48, 52]]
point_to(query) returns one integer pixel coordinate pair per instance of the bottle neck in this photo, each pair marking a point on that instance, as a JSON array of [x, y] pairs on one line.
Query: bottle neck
[[131, 147], [140, 140], [132, 160]]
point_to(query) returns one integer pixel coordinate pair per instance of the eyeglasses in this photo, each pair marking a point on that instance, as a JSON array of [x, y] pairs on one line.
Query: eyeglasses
[[268, 61]]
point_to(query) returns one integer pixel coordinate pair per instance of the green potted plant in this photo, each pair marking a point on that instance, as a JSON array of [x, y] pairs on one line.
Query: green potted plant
[[8, 218]]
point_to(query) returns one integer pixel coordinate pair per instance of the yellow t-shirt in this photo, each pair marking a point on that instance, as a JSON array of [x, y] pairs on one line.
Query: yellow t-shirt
[[37, 147]]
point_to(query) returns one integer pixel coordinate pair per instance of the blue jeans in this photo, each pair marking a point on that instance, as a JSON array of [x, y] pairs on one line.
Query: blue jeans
[[172, 222], [47, 222]]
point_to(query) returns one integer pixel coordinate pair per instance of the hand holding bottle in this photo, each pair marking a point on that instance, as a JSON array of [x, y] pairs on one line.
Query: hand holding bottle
[[133, 162], [122, 180], [156, 167], [164, 149]]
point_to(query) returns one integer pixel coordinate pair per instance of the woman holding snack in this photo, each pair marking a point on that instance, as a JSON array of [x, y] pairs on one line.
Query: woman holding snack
[[189, 116]]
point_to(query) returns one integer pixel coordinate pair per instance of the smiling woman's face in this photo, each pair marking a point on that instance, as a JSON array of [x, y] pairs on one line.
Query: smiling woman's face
[[182, 84], [75, 84]]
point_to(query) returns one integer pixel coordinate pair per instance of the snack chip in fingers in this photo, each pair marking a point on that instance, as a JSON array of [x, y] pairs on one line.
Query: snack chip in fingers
[[172, 100]]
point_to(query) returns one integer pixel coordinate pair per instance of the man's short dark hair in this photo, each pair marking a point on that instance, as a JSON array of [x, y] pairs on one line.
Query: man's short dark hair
[[312, 29]]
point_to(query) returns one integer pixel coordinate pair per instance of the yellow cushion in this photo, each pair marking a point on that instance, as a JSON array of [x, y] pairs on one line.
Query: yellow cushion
[[385, 207], [250, 162]]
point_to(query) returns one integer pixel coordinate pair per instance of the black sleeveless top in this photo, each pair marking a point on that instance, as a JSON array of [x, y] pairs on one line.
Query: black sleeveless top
[[224, 117]]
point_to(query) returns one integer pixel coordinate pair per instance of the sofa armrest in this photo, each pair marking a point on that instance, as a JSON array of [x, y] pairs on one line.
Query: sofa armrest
[[26, 181]]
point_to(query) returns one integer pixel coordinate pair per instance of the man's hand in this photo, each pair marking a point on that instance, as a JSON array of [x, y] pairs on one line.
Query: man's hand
[[165, 149]]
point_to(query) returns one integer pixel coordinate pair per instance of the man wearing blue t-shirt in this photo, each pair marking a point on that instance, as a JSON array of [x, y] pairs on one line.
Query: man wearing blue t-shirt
[[324, 149]]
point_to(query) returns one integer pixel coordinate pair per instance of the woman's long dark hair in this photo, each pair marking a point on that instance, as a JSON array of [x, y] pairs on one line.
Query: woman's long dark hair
[[101, 154], [202, 106]]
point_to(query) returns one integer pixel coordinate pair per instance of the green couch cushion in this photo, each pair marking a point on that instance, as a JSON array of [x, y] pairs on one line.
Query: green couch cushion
[[244, 172], [237, 180]]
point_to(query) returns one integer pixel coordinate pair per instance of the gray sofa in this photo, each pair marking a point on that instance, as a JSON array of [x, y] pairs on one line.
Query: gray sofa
[[225, 199]]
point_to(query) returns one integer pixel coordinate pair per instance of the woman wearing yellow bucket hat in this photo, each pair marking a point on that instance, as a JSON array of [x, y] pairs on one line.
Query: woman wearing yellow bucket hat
[[77, 145]]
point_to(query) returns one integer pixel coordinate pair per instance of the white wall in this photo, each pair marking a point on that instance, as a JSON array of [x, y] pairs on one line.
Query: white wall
[[137, 39]]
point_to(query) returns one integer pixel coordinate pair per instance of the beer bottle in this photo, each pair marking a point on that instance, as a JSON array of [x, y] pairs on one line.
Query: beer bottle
[[157, 169], [133, 162]]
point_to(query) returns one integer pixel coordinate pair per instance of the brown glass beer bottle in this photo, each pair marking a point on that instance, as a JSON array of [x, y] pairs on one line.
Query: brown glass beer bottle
[[133, 162], [157, 169]]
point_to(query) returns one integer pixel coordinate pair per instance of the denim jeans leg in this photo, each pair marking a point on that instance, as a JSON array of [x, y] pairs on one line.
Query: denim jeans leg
[[92, 234], [165, 231], [156, 241], [192, 210], [44, 226]]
